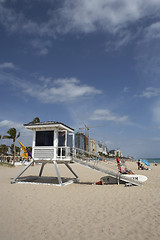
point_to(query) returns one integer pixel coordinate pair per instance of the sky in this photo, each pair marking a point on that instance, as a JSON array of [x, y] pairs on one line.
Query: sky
[[82, 62]]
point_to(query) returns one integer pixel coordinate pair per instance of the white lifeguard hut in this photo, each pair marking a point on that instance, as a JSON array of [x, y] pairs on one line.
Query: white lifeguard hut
[[53, 142]]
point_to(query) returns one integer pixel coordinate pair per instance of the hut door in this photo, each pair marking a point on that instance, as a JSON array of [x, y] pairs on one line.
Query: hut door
[[61, 143]]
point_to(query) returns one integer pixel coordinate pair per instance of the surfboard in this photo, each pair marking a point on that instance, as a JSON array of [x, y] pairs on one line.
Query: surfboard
[[112, 180], [140, 178]]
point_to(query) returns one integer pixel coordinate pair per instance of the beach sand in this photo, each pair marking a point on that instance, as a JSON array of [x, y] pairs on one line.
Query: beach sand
[[79, 211]]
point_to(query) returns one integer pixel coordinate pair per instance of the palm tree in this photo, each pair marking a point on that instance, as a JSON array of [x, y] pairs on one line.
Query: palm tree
[[36, 120], [17, 149], [12, 134]]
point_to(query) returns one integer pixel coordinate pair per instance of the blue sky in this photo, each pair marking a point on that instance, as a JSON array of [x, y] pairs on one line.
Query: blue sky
[[78, 61]]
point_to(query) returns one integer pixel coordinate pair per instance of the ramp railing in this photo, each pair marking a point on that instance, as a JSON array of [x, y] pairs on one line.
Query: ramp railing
[[89, 160]]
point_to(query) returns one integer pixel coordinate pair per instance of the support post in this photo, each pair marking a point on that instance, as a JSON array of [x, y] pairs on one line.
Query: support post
[[58, 174], [118, 178], [41, 170], [67, 165], [14, 179]]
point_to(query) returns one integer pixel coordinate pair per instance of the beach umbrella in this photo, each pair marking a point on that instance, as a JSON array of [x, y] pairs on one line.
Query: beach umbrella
[[145, 162]]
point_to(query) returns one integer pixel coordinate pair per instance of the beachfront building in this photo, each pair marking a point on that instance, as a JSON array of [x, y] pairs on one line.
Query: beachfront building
[[115, 153], [81, 141], [105, 150], [92, 146], [99, 147]]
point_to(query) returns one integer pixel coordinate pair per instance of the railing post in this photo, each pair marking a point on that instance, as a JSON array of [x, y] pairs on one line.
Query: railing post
[[61, 153]]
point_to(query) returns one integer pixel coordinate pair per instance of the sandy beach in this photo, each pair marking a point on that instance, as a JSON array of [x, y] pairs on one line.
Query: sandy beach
[[79, 210]]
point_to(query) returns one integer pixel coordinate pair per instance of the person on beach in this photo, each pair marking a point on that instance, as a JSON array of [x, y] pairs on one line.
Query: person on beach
[[139, 164], [127, 171]]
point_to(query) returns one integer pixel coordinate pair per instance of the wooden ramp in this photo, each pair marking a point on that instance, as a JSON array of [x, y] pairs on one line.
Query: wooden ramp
[[118, 176]]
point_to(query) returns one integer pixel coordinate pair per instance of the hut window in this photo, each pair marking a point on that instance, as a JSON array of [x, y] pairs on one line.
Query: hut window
[[44, 138], [61, 139]]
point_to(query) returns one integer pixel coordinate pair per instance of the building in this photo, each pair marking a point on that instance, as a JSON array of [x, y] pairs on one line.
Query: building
[[115, 153], [92, 146], [80, 141], [105, 150], [99, 147]]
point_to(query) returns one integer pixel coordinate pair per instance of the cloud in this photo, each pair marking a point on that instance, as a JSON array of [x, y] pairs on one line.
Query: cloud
[[25, 134], [80, 16], [42, 46], [152, 31], [11, 124], [120, 39], [7, 65], [150, 92], [50, 90], [62, 90], [156, 112], [104, 15], [121, 19], [107, 115], [126, 89]]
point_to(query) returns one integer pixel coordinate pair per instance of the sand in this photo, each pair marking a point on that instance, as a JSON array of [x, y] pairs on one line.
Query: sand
[[79, 211]]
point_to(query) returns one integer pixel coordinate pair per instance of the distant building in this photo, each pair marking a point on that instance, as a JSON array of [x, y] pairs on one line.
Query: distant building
[[115, 153], [81, 141], [99, 147], [102, 148], [92, 146], [105, 149]]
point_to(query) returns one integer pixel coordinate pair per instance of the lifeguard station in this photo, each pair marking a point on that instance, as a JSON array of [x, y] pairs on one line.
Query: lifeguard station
[[53, 142]]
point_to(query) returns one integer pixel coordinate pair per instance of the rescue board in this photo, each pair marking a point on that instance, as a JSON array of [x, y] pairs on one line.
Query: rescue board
[[112, 180]]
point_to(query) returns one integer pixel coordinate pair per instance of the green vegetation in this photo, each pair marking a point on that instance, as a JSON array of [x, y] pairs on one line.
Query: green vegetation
[[17, 149], [12, 134], [36, 120]]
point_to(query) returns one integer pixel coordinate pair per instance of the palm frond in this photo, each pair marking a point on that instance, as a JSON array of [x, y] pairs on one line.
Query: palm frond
[[7, 137], [18, 135], [12, 132]]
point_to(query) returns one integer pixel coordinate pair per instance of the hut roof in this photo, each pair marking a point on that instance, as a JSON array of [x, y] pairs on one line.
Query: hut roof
[[48, 124]]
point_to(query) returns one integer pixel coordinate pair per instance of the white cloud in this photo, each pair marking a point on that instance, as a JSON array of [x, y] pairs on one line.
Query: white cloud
[[120, 39], [153, 31], [107, 115], [62, 90], [42, 46], [156, 112], [81, 15], [51, 91], [11, 124], [126, 89], [107, 15], [150, 92], [7, 65], [25, 135], [70, 16]]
